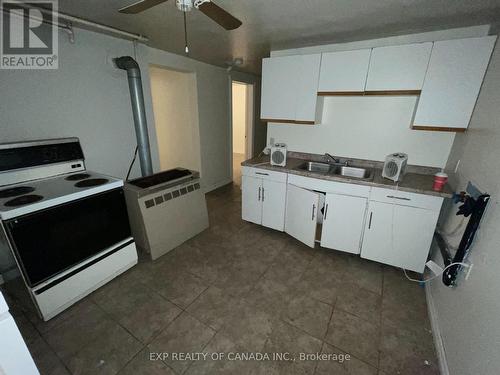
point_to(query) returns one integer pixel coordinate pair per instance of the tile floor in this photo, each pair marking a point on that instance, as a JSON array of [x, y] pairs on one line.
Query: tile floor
[[238, 287]]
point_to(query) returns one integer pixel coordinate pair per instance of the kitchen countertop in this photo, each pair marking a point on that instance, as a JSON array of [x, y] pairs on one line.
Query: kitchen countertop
[[412, 182]]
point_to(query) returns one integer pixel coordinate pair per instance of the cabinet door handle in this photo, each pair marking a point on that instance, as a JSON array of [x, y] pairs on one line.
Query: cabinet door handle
[[262, 174], [370, 221], [259, 194], [326, 211], [262, 194], [312, 215], [401, 198]]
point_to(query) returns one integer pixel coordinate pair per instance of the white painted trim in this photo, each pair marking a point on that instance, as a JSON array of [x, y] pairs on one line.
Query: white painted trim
[[250, 123], [436, 332]]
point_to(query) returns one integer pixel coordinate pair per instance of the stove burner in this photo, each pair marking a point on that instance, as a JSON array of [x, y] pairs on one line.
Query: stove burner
[[77, 176], [91, 182], [23, 199], [18, 190]]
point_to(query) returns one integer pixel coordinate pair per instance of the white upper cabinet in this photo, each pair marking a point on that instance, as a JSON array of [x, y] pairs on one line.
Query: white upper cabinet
[[398, 68], [454, 77], [307, 91], [289, 88], [279, 87], [343, 71]]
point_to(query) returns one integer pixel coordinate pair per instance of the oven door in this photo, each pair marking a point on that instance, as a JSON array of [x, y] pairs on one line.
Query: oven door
[[50, 241]]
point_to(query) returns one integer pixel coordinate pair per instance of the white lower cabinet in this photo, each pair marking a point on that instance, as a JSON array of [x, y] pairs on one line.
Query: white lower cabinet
[[273, 204], [385, 225], [251, 205], [301, 214], [398, 235], [263, 199], [343, 222]]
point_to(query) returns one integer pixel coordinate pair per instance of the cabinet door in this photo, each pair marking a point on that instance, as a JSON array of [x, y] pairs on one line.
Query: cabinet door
[[398, 68], [279, 87], [454, 77], [344, 71], [273, 204], [251, 199], [301, 213], [289, 88], [343, 222], [307, 78], [398, 235]]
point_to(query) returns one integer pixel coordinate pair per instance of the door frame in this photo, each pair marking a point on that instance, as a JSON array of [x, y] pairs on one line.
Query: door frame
[[251, 113]]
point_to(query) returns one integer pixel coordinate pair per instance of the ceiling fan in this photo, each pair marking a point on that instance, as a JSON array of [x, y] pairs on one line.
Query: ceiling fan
[[207, 7]]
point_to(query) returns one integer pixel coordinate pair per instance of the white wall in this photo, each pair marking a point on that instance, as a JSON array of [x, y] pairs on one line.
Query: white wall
[[468, 315], [88, 98], [367, 127], [370, 127], [175, 106], [213, 110], [239, 112]]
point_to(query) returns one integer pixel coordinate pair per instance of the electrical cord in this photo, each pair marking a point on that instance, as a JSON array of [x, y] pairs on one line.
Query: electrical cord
[[132, 162], [439, 274]]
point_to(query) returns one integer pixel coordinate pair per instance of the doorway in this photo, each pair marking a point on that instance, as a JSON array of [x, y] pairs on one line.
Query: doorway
[[175, 108], [242, 125]]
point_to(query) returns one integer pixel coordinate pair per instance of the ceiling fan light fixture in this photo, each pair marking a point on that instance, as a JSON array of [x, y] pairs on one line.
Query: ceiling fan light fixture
[[184, 5]]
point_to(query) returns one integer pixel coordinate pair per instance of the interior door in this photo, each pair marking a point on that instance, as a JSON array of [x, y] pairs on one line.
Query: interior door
[[343, 222], [398, 235], [273, 204], [301, 213], [251, 203]]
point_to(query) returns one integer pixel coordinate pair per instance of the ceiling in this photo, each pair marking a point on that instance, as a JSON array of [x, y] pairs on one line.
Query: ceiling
[[278, 24]]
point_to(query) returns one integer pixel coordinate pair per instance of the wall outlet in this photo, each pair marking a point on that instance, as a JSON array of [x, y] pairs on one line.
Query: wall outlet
[[271, 141]]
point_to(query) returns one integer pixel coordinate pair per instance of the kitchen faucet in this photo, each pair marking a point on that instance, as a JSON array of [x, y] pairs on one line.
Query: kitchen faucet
[[330, 158]]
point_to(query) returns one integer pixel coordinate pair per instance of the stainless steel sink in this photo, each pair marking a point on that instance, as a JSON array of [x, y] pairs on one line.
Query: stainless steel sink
[[314, 166], [337, 170], [353, 172]]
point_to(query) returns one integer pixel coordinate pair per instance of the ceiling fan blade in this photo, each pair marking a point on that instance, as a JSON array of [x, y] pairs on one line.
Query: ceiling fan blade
[[220, 16], [140, 6]]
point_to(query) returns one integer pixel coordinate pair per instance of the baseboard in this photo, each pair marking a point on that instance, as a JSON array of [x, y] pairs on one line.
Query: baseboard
[[217, 185], [436, 332]]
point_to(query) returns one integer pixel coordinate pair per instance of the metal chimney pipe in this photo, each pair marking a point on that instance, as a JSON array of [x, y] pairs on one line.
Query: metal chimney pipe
[[137, 98]]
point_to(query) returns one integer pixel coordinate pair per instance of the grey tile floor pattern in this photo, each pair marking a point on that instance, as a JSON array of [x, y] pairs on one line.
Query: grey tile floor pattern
[[238, 288]]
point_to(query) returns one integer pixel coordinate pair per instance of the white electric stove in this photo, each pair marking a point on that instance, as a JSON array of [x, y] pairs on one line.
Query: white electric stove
[[65, 228]]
